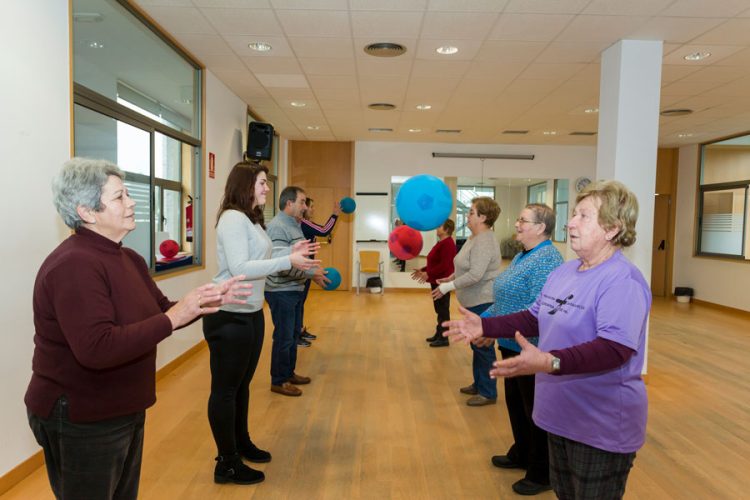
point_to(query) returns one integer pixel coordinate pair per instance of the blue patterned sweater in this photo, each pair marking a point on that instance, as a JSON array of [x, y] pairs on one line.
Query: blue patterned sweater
[[517, 287]]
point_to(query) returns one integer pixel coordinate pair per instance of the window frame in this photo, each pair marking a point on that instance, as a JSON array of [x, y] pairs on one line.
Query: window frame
[[98, 103], [460, 230], [722, 186], [555, 204]]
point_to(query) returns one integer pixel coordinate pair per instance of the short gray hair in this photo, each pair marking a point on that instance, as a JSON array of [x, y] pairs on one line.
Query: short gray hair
[[80, 183], [544, 215]]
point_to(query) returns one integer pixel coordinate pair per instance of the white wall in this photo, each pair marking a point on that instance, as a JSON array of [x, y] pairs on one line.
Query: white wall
[[35, 130], [714, 280], [376, 162]]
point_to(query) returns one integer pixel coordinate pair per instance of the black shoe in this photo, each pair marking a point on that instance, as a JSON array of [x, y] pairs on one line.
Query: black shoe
[[255, 454], [432, 339], [528, 488], [441, 342], [303, 343], [504, 462], [230, 469], [308, 336]]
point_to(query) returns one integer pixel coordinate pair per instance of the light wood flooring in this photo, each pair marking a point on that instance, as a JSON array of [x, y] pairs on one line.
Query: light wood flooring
[[383, 417]]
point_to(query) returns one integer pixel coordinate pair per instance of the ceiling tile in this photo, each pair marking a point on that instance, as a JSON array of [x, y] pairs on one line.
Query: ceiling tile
[[386, 24], [223, 61], [328, 47], [388, 66], [718, 52], [600, 28], [673, 72], [389, 5], [546, 7], [308, 5], [674, 29], [272, 65], [530, 27], [165, 3], [287, 81], [460, 25], [718, 74], [201, 45], [503, 51], [732, 32], [332, 82], [439, 69], [178, 20], [702, 8], [325, 66], [350, 94], [493, 70], [245, 4], [467, 5], [628, 8], [314, 22], [685, 88], [572, 52], [254, 22], [559, 72]]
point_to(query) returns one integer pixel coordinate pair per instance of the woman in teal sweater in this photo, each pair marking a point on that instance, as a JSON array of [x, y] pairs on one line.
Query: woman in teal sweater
[[515, 290]]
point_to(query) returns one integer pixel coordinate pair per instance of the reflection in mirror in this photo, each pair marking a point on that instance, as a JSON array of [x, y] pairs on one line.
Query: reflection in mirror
[[512, 194]]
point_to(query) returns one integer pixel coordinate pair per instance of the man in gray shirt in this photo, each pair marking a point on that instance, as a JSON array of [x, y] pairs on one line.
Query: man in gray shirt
[[284, 291]]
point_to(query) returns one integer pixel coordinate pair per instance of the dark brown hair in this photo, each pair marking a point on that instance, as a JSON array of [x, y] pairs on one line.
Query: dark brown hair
[[449, 226], [239, 192]]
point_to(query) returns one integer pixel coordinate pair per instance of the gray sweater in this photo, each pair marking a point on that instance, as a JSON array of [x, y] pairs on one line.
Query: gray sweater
[[245, 248], [477, 265], [284, 231]]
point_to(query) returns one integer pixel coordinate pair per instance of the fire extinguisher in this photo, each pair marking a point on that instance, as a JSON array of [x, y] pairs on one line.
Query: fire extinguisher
[[189, 219]]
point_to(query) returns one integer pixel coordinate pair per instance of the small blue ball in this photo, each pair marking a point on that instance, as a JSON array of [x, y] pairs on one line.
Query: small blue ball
[[348, 205], [424, 202], [335, 276]]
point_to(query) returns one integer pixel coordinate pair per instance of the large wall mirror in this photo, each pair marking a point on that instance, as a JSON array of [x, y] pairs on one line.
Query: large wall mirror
[[512, 194]]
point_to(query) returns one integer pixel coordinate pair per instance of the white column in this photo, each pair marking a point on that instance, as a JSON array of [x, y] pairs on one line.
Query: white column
[[629, 131]]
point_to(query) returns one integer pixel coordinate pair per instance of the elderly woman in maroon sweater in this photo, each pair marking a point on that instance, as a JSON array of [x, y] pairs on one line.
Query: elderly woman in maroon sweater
[[98, 317]]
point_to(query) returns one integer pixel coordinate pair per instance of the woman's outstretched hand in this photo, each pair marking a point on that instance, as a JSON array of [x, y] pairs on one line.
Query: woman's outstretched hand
[[206, 299], [467, 328]]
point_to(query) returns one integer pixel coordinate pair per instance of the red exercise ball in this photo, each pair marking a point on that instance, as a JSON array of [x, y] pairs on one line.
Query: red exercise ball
[[169, 248], [405, 243]]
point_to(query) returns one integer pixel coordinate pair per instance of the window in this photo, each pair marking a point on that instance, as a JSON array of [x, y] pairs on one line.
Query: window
[[138, 104], [464, 195], [537, 193], [561, 210], [723, 187]]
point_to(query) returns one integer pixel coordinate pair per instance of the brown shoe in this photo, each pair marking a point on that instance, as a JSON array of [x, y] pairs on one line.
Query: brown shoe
[[286, 389], [469, 389], [480, 400], [299, 379]]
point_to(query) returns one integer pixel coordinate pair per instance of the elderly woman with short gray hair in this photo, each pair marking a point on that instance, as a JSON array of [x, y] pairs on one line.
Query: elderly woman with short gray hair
[[98, 316]]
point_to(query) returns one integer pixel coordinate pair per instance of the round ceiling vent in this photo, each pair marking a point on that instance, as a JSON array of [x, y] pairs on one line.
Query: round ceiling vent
[[676, 112], [385, 49], [381, 106]]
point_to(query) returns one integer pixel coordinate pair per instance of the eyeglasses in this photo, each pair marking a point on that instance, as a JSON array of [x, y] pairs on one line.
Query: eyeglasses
[[521, 220]]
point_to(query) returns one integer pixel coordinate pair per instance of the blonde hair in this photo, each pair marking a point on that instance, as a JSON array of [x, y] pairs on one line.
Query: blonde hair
[[619, 208]]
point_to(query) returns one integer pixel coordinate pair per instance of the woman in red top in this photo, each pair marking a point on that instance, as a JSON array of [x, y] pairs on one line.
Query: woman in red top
[[439, 265]]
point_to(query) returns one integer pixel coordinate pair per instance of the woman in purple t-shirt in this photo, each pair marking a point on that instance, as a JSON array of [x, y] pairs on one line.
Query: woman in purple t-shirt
[[591, 321]]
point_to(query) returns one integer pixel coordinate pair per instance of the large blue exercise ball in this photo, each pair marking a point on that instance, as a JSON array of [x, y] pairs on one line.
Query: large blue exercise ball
[[335, 276], [424, 202], [348, 205]]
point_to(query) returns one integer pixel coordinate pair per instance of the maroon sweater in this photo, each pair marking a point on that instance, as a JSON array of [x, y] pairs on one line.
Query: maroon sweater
[[98, 316], [440, 260]]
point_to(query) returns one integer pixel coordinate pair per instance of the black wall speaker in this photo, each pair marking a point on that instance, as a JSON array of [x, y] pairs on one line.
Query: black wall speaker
[[260, 141]]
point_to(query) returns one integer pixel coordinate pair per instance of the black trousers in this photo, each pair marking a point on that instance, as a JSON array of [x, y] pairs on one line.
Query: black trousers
[[530, 446], [442, 309], [235, 341], [99, 460]]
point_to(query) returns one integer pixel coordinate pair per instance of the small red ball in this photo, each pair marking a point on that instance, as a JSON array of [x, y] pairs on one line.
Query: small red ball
[[405, 243], [169, 248]]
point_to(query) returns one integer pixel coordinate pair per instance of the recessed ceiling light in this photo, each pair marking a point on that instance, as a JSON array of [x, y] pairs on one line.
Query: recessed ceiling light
[[415, 130], [260, 46], [313, 127], [446, 50], [550, 132], [298, 104], [676, 112], [385, 49], [378, 129], [591, 110], [423, 107], [683, 136], [381, 106], [697, 56]]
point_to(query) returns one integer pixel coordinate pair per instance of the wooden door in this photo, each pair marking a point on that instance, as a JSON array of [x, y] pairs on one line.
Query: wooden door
[[661, 244]]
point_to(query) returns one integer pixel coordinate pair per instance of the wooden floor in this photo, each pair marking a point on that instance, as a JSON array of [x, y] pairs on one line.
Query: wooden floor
[[383, 417]]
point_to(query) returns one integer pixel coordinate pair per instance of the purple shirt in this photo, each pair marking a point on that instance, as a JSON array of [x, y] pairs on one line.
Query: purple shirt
[[607, 409]]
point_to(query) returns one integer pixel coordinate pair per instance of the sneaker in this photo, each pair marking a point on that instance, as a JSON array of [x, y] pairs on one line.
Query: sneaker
[[469, 389], [230, 469], [441, 342], [286, 389], [303, 343], [255, 454], [480, 400], [528, 488]]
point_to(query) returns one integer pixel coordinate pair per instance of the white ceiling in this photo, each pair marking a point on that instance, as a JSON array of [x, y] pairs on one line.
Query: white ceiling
[[522, 64]]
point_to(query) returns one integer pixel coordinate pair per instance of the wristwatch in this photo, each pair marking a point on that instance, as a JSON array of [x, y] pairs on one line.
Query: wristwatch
[[555, 364]]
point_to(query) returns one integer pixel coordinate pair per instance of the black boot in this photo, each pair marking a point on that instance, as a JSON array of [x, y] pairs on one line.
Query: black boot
[[254, 454], [230, 469], [433, 338]]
